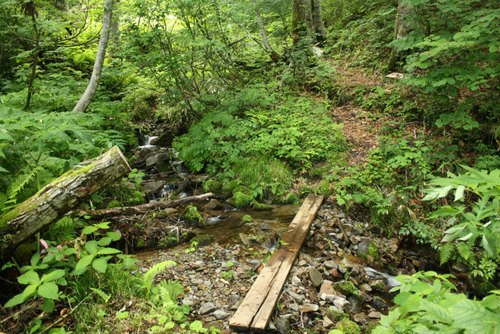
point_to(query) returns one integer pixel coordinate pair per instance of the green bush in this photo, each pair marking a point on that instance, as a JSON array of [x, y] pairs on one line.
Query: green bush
[[426, 304]]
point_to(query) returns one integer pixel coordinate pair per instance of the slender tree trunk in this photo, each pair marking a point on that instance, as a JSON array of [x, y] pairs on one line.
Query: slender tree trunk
[[34, 64], [301, 19], [274, 55], [402, 27], [87, 97], [307, 20], [317, 17]]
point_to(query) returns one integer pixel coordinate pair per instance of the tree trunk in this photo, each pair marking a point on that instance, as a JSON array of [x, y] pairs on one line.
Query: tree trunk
[[36, 49], [402, 27], [87, 97], [307, 20], [318, 25], [301, 19], [60, 196], [274, 55]]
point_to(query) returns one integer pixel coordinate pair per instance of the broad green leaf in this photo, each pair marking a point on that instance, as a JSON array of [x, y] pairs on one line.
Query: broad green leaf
[[3, 170], [31, 277], [30, 290], [108, 250], [489, 243], [48, 305], [83, 264], [48, 290], [53, 275], [6, 136], [16, 300], [459, 193], [92, 246], [101, 264]]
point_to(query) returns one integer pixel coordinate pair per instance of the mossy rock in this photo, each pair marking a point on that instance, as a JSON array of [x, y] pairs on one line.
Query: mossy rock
[[168, 242], [323, 188], [304, 191], [202, 239], [187, 236], [335, 316], [246, 219], [368, 248], [348, 327], [114, 204], [212, 186], [291, 198], [228, 188], [261, 206], [241, 200], [347, 288], [370, 327], [192, 217]]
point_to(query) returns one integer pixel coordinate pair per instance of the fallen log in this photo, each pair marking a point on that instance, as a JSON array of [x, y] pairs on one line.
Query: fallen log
[[140, 209], [60, 196], [254, 312]]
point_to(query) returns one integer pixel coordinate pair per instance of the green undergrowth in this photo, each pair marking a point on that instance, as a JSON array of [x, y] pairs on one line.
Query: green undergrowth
[[258, 138], [426, 303], [87, 280]]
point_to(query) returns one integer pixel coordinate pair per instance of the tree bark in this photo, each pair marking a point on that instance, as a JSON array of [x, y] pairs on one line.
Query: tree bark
[[88, 95], [317, 18], [274, 55], [402, 27], [60, 196], [143, 208], [301, 19]]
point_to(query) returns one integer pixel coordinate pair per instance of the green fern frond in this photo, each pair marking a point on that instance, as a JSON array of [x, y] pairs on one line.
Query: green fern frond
[[149, 276], [102, 294], [446, 252]]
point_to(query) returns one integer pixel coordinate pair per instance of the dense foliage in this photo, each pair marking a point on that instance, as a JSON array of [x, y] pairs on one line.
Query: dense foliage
[[255, 110]]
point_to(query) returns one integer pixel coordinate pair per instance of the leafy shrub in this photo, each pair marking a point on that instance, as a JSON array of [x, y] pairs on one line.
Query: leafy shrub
[[473, 220], [255, 127], [425, 304], [453, 60]]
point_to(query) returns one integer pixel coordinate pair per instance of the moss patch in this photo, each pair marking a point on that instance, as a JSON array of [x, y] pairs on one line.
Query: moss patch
[[202, 239], [261, 207], [347, 288], [246, 219], [241, 200], [336, 316], [192, 217], [348, 327], [212, 186], [167, 242]]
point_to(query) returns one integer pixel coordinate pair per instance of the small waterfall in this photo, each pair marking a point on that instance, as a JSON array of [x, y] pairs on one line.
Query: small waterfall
[[149, 140]]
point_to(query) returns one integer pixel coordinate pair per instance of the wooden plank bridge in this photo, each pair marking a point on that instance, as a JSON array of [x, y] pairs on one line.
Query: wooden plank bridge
[[258, 305]]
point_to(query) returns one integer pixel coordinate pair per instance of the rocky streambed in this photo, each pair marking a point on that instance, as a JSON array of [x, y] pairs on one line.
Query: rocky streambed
[[343, 273]]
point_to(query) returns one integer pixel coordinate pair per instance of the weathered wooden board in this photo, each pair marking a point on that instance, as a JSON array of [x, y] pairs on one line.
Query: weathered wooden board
[[257, 307], [58, 197]]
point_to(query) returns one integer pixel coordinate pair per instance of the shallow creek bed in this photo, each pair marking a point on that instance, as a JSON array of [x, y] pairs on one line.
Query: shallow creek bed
[[341, 272]]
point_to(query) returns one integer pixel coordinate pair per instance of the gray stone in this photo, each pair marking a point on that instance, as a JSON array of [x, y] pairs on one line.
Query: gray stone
[[207, 308], [283, 326], [190, 301], [221, 315], [295, 296], [331, 264], [306, 308], [264, 226], [315, 276], [375, 315]]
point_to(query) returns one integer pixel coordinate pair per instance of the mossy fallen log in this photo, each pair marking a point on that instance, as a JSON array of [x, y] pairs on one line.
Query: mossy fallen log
[[141, 209], [58, 197]]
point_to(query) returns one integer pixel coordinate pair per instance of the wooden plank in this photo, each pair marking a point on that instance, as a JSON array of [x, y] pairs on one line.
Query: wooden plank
[[255, 310]]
